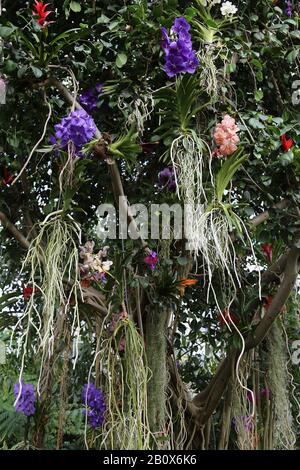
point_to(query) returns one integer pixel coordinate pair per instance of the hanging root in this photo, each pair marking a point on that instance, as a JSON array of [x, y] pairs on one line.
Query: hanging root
[[290, 375], [284, 435], [142, 110], [188, 162], [178, 437], [53, 261], [244, 423], [210, 78], [124, 377]]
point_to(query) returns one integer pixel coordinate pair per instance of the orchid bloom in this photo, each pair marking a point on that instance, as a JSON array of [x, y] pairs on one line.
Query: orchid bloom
[[40, 11], [225, 136]]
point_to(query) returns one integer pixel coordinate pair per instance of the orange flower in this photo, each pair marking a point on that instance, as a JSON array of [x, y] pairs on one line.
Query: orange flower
[[188, 282], [185, 283]]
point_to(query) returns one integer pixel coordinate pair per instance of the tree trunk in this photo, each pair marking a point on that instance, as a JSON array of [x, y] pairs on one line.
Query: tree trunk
[[156, 348]]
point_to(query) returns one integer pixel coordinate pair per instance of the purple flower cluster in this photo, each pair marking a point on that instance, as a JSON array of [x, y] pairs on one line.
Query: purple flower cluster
[[288, 8], [27, 399], [94, 399], [78, 127], [166, 179], [179, 54], [89, 98]]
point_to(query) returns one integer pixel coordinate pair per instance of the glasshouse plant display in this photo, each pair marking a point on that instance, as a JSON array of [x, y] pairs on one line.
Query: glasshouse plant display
[[149, 225]]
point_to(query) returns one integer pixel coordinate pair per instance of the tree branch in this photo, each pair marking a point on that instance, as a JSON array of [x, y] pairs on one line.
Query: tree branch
[[290, 276], [14, 231], [208, 400], [266, 214]]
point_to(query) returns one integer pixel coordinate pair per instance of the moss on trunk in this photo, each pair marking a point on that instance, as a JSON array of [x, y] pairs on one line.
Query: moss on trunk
[[156, 345]]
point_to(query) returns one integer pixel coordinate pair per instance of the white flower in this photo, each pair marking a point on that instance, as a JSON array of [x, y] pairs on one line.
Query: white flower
[[211, 2], [228, 9], [106, 265]]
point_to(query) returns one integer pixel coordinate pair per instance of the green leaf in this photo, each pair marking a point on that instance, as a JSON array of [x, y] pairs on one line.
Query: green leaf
[[6, 31], [227, 172], [103, 19], [10, 66], [292, 56], [259, 94], [256, 124], [182, 261], [36, 71], [231, 68], [75, 6], [121, 60]]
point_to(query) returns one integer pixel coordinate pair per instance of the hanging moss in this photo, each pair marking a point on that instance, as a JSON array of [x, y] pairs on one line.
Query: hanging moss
[[156, 345], [284, 436]]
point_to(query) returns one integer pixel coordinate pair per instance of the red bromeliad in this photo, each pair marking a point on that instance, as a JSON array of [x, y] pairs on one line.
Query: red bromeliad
[[27, 292], [268, 251], [40, 11], [7, 177], [268, 302], [227, 315], [287, 144]]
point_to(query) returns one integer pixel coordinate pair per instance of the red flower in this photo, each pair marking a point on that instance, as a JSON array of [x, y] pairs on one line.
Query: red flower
[[286, 143], [151, 259], [42, 14], [85, 283], [226, 315], [267, 302], [268, 251], [7, 177], [27, 292]]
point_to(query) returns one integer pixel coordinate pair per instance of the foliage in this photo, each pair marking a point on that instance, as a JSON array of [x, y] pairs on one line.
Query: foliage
[[249, 69]]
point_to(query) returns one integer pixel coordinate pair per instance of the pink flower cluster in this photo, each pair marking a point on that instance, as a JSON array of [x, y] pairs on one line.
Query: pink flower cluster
[[226, 138]]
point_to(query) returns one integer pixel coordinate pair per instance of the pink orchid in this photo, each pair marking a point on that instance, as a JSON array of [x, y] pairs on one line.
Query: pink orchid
[[225, 136]]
